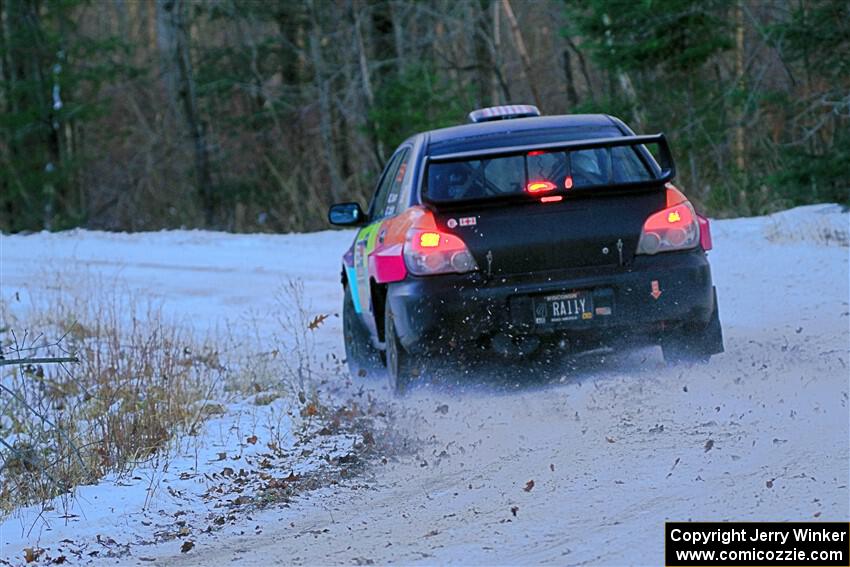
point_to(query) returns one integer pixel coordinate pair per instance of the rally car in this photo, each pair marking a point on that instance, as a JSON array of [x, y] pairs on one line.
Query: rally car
[[519, 230]]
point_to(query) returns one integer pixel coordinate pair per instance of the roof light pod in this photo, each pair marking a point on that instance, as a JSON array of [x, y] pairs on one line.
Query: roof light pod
[[503, 112]]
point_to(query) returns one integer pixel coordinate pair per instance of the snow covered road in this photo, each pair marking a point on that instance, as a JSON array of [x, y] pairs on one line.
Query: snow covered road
[[614, 449]]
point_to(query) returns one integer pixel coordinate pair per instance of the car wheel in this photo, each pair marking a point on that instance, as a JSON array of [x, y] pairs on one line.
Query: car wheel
[[362, 358], [402, 367], [695, 346]]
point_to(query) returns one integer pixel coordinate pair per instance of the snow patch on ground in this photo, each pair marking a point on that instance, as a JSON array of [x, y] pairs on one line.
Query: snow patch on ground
[[247, 455]]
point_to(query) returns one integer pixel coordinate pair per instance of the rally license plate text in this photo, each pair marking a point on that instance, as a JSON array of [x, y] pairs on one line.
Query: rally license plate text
[[563, 308]]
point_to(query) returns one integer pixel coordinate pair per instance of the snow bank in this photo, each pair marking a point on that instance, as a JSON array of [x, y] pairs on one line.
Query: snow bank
[[818, 224]]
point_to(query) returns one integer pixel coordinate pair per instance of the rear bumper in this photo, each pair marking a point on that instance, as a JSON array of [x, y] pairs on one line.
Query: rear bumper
[[434, 312]]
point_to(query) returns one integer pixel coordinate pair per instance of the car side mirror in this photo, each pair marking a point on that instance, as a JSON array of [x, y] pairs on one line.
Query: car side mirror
[[346, 214]]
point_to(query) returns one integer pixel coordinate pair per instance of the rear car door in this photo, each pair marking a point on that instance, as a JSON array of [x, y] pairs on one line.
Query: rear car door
[[386, 203]]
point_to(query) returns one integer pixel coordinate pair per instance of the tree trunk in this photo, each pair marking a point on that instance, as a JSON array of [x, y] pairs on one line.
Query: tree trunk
[[174, 42], [367, 80], [497, 55], [572, 95], [5, 71], [583, 66], [739, 79], [482, 56], [523, 52], [397, 12], [322, 85], [631, 96]]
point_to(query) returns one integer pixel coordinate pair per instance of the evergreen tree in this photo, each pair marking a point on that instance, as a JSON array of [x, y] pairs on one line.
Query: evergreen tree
[[48, 91]]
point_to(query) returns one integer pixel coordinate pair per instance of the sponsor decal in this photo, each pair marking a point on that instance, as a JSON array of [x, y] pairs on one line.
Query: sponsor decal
[[452, 223], [467, 221]]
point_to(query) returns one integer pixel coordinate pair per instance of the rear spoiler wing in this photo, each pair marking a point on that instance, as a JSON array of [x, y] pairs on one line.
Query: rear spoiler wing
[[666, 164]]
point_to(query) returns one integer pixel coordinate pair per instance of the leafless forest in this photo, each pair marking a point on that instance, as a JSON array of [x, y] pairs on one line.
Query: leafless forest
[[250, 115]]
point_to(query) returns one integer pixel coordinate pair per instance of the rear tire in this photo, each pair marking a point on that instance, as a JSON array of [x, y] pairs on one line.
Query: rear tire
[[362, 358], [403, 368], [695, 346]]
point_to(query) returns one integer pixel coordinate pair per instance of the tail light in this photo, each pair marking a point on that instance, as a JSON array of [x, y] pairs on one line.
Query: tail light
[[430, 252], [674, 228]]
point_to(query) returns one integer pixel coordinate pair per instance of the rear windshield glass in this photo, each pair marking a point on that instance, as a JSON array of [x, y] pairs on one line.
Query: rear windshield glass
[[509, 175]]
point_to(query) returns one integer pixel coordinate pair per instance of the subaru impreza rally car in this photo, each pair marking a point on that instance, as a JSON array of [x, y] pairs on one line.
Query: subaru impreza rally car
[[518, 229]]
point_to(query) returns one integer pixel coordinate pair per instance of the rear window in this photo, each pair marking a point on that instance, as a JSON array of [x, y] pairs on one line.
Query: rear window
[[510, 175]]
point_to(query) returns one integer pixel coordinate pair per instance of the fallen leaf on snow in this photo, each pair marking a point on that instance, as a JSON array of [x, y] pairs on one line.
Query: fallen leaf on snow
[[317, 321], [529, 485], [514, 510], [252, 440], [769, 483], [443, 409], [187, 546], [31, 555], [708, 445]]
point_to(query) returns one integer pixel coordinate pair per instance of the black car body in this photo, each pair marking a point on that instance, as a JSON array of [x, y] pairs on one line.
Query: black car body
[[508, 233]]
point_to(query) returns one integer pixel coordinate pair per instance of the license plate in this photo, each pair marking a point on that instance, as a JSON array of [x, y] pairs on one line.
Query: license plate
[[563, 308]]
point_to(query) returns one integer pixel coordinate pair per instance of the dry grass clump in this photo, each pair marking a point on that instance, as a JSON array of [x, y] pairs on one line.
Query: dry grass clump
[[141, 380], [289, 362], [141, 383]]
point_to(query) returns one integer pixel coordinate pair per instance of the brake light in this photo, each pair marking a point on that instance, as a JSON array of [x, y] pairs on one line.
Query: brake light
[[674, 228], [540, 186], [429, 252]]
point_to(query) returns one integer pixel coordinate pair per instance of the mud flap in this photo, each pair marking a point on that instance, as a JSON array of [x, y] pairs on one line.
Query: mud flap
[[713, 333], [694, 345]]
